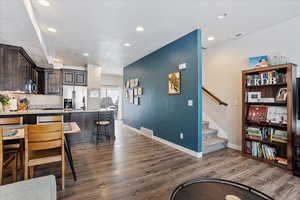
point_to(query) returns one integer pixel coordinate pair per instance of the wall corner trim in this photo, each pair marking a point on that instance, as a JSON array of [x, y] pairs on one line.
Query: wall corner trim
[[158, 139], [234, 146]]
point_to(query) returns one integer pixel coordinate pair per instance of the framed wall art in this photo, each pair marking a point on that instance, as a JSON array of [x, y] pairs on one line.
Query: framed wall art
[[174, 83]]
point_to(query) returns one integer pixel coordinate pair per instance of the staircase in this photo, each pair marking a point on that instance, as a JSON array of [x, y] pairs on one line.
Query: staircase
[[210, 140]]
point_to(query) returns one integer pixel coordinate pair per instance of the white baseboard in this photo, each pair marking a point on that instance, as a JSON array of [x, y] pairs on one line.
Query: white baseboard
[[234, 146], [175, 146]]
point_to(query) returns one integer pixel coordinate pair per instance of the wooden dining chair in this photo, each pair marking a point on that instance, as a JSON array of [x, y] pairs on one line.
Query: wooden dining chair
[[7, 160], [14, 145], [44, 143]]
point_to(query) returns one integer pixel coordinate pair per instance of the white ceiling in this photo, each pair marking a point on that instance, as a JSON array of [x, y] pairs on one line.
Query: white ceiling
[[101, 27]]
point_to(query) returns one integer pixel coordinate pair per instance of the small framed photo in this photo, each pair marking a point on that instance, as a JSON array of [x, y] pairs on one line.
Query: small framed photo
[[127, 84], [130, 94], [140, 91], [137, 101], [254, 96], [281, 95], [137, 82], [135, 92], [132, 83], [174, 83]]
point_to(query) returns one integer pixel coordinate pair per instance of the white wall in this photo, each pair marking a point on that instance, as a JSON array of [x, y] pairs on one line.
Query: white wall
[[222, 67], [112, 80]]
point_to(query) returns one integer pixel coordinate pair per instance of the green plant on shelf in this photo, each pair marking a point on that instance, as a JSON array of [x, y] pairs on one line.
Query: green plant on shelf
[[4, 100]]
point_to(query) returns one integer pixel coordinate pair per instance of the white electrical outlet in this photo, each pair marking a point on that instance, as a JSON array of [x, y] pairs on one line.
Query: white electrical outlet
[[182, 66], [181, 135], [190, 102]]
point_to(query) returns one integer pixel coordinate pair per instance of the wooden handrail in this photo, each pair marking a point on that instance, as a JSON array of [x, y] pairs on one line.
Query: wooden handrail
[[214, 97]]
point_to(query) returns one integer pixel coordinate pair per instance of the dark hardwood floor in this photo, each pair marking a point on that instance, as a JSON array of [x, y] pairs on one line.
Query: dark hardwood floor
[[136, 168]]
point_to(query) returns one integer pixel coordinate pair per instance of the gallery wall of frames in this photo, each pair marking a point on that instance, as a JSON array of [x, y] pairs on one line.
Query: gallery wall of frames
[[132, 91]]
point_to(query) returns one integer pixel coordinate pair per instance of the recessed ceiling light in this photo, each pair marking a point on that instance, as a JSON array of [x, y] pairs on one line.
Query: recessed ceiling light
[[127, 44], [52, 30], [85, 54], [44, 3], [222, 16], [211, 38], [139, 29]]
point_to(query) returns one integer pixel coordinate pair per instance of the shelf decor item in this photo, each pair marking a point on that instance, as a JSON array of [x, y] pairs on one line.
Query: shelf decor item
[[254, 97], [269, 125], [5, 102], [174, 83], [260, 61], [281, 95]]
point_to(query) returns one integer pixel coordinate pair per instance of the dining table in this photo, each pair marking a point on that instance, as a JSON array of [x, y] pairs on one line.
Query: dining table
[[70, 128]]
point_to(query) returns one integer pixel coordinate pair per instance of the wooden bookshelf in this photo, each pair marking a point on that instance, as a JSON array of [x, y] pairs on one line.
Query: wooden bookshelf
[[284, 150]]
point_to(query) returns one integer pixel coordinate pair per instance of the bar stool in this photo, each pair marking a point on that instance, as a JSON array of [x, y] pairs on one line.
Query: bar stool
[[14, 145], [102, 129], [7, 160]]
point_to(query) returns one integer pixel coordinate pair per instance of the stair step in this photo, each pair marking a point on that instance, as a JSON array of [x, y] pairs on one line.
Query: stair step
[[209, 133], [205, 124], [214, 144]]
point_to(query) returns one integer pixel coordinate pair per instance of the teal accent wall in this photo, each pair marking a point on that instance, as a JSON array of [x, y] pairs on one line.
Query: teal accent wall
[[169, 115]]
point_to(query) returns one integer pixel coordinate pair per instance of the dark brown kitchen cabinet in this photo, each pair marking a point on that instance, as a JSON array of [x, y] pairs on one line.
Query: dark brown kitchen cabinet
[[16, 68], [53, 82], [74, 77], [68, 77]]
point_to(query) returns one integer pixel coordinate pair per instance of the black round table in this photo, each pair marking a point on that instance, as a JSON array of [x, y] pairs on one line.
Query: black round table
[[216, 189]]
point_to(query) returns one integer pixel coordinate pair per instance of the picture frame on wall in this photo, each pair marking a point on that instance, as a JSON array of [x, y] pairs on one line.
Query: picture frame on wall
[[132, 83], [130, 94], [137, 82], [137, 101], [174, 83], [135, 91], [140, 91], [127, 84]]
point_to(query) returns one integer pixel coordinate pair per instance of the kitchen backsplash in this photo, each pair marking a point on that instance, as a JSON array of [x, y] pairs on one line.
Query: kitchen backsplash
[[39, 101]]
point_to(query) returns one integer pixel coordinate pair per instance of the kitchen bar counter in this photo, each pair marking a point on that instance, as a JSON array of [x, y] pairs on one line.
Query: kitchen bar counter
[[86, 120], [29, 112]]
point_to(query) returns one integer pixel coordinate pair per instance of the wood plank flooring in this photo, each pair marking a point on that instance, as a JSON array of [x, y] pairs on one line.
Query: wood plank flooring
[[136, 168]]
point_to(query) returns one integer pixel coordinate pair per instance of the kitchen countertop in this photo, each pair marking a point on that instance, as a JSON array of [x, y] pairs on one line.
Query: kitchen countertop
[[28, 112]]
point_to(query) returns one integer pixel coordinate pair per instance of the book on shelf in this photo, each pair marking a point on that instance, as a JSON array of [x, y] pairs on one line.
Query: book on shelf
[[268, 114], [266, 134], [266, 78], [279, 136], [264, 151], [257, 113]]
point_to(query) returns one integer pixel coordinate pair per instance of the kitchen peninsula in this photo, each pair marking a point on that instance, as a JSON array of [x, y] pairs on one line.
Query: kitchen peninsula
[[85, 119]]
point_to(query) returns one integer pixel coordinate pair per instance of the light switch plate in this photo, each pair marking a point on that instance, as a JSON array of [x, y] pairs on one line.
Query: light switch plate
[[182, 66], [190, 102]]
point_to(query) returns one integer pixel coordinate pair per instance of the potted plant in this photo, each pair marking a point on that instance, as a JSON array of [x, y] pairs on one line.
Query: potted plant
[[4, 103]]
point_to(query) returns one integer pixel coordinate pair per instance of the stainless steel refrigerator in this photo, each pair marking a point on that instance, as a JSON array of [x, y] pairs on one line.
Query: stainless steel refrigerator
[[78, 94]]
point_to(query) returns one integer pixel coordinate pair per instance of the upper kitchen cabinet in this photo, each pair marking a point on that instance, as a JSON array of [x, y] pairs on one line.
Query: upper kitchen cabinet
[[16, 69], [53, 82], [74, 77]]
